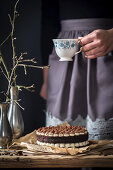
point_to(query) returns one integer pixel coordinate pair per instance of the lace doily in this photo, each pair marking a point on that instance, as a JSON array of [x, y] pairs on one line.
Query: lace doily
[[98, 130]]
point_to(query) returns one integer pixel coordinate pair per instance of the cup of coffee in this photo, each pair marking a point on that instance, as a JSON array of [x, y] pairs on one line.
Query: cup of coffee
[[66, 48]]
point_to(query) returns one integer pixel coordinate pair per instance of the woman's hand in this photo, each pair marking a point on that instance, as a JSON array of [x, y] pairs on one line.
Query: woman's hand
[[43, 92], [97, 43]]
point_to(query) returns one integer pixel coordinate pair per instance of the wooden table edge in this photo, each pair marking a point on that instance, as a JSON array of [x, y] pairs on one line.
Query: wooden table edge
[[56, 161]]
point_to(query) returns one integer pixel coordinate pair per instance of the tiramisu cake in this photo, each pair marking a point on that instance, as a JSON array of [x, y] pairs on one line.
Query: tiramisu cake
[[62, 136]]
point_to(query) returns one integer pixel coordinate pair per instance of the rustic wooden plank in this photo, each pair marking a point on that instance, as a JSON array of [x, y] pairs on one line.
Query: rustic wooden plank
[[55, 161]]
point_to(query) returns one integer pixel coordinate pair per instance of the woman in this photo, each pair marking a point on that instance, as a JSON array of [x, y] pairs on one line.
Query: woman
[[81, 91]]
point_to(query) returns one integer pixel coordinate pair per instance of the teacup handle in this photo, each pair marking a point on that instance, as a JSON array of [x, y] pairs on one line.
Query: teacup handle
[[79, 51], [80, 48]]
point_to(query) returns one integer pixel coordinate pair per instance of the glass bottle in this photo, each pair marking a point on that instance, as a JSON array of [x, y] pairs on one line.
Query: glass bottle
[[5, 128], [14, 114]]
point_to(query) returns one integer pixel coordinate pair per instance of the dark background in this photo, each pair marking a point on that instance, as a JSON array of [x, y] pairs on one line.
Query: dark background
[[27, 32]]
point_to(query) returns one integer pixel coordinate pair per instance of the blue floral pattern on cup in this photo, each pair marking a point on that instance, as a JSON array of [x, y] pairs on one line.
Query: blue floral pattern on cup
[[65, 44]]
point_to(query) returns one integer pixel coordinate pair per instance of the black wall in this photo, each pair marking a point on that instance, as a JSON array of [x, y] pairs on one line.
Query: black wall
[[27, 32]]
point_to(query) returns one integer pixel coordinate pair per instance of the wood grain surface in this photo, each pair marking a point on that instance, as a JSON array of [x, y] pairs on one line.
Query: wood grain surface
[[52, 160]]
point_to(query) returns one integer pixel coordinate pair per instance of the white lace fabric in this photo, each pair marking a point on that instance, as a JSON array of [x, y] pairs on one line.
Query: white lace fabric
[[98, 130]]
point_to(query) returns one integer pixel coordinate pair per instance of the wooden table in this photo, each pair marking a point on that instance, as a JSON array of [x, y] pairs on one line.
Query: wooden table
[[52, 160]]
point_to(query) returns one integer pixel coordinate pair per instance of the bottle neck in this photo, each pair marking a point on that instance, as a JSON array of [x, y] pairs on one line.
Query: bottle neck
[[14, 93], [3, 110]]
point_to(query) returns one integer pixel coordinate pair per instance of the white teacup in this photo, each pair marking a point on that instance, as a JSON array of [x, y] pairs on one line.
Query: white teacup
[[66, 48]]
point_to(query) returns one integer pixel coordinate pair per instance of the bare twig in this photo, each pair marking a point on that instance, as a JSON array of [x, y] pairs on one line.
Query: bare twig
[[16, 101], [12, 37], [25, 70], [28, 60], [21, 56], [5, 67], [33, 66], [29, 88], [4, 73], [5, 40], [18, 104], [20, 61]]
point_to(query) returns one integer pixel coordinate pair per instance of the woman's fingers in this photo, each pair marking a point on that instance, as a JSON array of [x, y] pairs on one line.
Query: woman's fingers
[[92, 56], [89, 46], [97, 43], [87, 39]]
